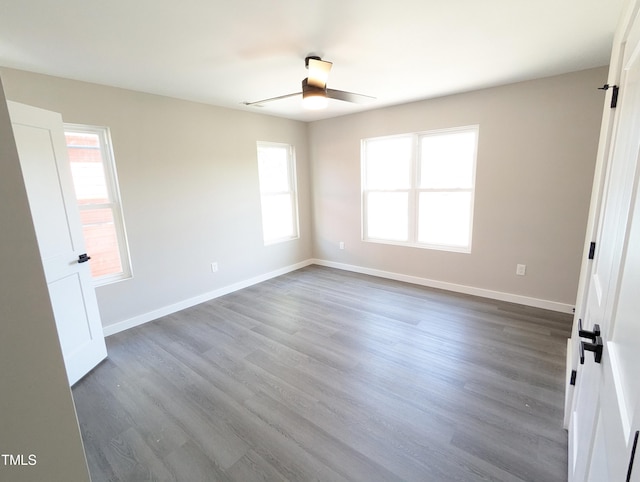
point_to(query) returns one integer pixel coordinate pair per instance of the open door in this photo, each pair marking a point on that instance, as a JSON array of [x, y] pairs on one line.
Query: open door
[[39, 136], [604, 416]]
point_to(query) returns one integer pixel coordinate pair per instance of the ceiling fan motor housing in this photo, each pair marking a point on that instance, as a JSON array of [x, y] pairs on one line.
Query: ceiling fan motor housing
[[310, 57], [315, 94]]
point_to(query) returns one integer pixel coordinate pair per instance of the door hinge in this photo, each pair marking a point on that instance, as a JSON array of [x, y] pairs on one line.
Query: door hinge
[[614, 94], [633, 456], [592, 250], [614, 97], [574, 374]]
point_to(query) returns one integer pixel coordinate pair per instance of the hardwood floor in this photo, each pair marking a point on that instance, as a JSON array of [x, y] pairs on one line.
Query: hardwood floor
[[329, 375]]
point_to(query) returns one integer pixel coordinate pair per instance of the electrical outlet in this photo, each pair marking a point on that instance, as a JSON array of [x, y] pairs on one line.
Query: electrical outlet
[[214, 267], [341, 244], [521, 269]]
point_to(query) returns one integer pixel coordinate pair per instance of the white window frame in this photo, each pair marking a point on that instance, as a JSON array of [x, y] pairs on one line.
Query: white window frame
[[414, 190], [115, 203], [292, 191]]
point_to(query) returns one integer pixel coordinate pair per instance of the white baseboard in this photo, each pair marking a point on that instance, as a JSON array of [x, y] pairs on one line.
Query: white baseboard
[[469, 290], [188, 303]]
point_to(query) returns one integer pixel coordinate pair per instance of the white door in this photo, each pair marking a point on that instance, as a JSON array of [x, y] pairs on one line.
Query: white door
[[601, 429], [618, 419], [46, 171]]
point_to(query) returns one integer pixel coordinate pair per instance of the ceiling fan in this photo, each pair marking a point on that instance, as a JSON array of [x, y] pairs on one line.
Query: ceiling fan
[[315, 94]]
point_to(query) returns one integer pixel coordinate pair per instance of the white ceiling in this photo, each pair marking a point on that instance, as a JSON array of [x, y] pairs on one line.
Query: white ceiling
[[234, 51]]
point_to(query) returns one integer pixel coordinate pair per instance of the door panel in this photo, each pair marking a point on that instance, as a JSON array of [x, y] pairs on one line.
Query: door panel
[[621, 384], [75, 333], [46, 171], [598, 466], [38, 165]]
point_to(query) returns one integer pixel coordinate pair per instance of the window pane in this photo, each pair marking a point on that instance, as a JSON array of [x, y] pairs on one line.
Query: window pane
[[388, 163], [82, 139], [446, 160], [388, 216], [96, 187], [444, 218], [277, 217], [101, 241], [276, 172], [273, 167], [87, 169]]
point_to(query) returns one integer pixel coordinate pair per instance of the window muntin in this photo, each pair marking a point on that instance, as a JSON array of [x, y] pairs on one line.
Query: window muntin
[[278, 196], [95, 182], [418, 189]]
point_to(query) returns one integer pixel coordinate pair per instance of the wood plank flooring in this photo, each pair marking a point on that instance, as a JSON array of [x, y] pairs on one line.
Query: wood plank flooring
[[328, 375]]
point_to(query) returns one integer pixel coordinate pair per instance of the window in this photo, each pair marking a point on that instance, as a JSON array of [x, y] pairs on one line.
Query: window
[[418, 189], [276, 170], [94, 177]]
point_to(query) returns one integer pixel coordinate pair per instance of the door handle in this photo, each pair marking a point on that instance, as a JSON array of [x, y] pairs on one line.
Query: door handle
[[582, 333], [83, 258], [596, 342], [595, 347]]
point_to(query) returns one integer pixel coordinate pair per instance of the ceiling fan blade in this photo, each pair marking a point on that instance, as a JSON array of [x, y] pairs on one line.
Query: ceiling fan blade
[[349, 96], [258, 102], [318, 72]]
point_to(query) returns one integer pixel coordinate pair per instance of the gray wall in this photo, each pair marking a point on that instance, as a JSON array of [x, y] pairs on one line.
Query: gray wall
[[188, 176], [189, 183], [536, 156], [37, 416]]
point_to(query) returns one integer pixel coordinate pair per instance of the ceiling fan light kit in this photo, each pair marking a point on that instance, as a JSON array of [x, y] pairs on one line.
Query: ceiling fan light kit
[[315, 95], [313, 98], [314, 102]]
